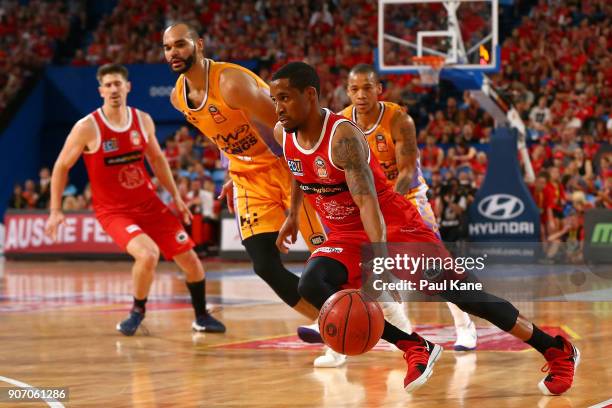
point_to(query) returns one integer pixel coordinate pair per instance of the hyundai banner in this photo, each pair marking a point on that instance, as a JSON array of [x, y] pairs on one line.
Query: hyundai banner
[[503, 209]]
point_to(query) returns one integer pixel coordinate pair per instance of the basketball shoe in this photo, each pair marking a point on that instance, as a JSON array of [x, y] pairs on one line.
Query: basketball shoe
[[466, 338], [420, 357], [310, 333], [207, 323], [129, 326], [561, 366]]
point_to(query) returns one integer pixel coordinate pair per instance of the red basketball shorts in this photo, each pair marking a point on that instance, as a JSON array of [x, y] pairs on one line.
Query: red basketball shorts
[[152, 218]]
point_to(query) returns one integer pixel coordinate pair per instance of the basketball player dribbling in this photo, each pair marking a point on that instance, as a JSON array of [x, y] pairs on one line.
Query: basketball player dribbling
[[232, 106], [333, 166], [391, 135], [114, 140]]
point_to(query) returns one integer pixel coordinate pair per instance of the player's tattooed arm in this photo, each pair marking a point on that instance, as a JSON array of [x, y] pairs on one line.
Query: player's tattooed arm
[[350, 152], [406, 151]]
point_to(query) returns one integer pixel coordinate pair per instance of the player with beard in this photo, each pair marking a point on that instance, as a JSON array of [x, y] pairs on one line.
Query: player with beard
[[232, 107]]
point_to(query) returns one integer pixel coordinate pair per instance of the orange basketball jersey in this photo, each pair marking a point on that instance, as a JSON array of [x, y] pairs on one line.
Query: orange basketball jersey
[[382, 145], [248, 145]]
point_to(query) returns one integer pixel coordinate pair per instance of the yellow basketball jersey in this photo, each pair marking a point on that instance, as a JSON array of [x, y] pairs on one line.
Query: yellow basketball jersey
[[382, 145], [248, 145]]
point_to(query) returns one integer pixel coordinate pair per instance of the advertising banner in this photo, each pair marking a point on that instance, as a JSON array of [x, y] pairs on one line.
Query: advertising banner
[[80, 235]]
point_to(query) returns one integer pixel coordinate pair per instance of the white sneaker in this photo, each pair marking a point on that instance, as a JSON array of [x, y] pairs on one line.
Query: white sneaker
[[330, 359], [466, 338], [396, 315]]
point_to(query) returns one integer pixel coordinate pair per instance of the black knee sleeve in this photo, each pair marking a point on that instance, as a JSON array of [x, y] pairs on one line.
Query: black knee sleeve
[[498, 311], [268, 266], [322, 278]]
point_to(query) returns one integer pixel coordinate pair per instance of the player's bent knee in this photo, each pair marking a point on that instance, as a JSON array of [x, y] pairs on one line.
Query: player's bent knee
[[310, 291], [149, 256]]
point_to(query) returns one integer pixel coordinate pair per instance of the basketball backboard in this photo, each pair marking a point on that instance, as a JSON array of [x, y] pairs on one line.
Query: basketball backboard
[[464, 32]]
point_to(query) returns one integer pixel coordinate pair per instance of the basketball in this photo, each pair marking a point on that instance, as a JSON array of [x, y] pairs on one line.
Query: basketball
[[350, 322]]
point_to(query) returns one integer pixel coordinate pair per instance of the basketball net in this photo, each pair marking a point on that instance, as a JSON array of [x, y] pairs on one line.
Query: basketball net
[[429, 69]]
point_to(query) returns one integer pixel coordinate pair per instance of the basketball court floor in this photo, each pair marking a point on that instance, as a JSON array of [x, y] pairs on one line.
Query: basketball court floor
[[58, 320]]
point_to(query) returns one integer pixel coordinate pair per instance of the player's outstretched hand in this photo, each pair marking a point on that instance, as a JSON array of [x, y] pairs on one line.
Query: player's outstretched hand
[[183, 209], [287, 234], [56, 218], [228, 192]]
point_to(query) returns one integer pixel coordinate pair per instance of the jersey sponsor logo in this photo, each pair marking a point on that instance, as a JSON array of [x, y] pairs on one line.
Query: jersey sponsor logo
[[237, 142], [320, 168], [324, 189], [328, 250], [216, 114], [381, 143], [337, 211], [317, 239], [181, 237], [110, 145], [131, 177], [295, 166], [123, 159], [135, 138], [390, 169]]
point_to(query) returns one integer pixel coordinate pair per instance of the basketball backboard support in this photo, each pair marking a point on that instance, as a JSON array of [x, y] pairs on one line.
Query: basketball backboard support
[[464, 32]]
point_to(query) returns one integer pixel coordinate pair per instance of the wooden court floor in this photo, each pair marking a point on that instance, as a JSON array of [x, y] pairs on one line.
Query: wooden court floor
[[57, 329]]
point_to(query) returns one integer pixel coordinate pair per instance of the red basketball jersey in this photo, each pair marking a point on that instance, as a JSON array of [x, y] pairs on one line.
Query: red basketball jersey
[[117, 174], [324, 184]]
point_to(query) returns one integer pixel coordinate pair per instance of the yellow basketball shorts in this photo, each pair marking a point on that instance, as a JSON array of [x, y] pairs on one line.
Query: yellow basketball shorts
[[261, 201]]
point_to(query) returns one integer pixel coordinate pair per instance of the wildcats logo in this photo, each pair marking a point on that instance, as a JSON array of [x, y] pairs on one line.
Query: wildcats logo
[[216, 114], [110, 145], [320, 168], [295, 166], [381, 143]]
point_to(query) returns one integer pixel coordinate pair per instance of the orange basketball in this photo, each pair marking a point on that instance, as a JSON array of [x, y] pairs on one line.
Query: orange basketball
[[351, 323]]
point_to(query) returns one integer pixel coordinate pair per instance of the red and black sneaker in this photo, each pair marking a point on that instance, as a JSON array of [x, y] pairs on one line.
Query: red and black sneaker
[[561, 367], [420, 356]]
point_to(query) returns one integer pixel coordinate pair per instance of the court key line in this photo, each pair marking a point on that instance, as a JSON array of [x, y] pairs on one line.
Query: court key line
[[604, 404], [53, 403]]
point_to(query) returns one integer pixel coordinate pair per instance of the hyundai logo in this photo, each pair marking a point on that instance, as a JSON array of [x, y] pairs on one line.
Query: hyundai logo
[[501, 207]]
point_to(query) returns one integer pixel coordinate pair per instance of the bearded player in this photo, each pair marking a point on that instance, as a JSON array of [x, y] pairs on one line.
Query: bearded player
[[231, 105]]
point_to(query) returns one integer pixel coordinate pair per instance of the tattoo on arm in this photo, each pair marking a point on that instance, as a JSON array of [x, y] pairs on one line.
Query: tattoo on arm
[[349, 154], [406, 153]]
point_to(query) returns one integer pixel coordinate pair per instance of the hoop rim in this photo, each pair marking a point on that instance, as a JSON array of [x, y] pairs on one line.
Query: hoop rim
[[435, 61]]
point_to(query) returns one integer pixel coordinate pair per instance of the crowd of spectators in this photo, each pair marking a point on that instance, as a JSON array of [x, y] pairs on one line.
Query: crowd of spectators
[[556, 70], [29, 34]]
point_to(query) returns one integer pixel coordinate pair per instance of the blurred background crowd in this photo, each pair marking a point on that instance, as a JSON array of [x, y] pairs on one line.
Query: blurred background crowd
[[556, 69]]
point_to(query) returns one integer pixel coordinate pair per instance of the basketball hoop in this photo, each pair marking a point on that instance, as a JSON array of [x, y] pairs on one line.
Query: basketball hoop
[[429, 69]]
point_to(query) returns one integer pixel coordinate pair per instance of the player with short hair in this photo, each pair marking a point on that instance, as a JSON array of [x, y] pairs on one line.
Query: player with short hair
[[114, 141], [232, 107], [333, 166], [391, 134]]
